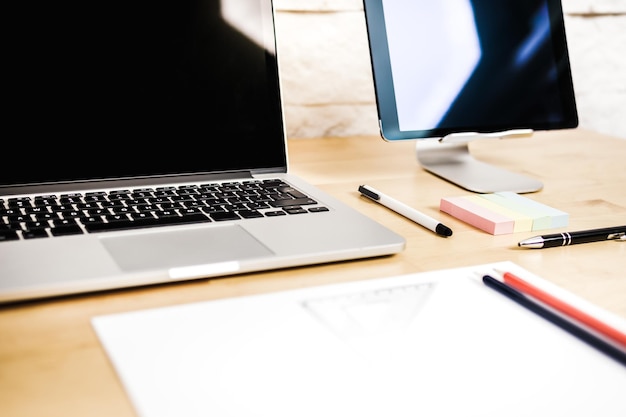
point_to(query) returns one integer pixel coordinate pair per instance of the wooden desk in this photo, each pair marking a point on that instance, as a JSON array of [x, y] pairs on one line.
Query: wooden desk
[[52, 364]]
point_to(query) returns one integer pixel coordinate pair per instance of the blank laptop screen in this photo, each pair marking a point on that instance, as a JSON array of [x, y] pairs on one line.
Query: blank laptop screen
[[115, 89]]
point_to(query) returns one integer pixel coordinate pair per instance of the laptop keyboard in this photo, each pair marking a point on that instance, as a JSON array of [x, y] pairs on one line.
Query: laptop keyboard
[[77, 213]]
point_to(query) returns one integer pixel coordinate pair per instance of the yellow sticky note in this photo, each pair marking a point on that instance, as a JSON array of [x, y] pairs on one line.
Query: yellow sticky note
[[523, 223], [541, 219]]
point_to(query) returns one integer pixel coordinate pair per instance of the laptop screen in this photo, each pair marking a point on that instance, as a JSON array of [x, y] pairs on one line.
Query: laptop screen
[[116, 89]]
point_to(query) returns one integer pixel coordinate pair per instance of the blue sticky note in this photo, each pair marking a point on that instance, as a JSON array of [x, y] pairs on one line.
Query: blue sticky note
[[559, 218]]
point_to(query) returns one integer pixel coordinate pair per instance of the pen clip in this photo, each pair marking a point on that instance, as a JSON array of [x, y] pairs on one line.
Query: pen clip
[[617, 236]]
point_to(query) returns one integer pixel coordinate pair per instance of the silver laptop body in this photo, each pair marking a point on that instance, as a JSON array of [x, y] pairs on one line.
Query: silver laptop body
[[131, 102]]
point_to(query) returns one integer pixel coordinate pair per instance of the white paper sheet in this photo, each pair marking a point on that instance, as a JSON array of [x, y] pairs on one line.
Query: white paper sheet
[[431, 344]]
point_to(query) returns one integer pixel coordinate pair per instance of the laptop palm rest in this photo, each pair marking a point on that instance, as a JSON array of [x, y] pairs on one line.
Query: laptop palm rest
[[171, 249]]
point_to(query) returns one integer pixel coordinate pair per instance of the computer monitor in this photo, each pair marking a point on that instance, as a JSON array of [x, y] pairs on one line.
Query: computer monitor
[[447, 72]]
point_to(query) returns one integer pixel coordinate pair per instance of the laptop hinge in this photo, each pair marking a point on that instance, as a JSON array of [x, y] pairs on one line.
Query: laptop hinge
[[122, 183]]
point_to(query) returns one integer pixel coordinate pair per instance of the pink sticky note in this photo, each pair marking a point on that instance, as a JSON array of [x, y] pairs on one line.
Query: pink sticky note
[[477, 216]]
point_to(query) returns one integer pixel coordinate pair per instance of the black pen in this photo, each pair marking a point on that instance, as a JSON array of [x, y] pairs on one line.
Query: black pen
[[579, 332], [406, 211], [573, 238]]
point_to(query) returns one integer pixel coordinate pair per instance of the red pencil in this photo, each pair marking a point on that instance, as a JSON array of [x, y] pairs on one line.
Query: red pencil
[[570, 311]]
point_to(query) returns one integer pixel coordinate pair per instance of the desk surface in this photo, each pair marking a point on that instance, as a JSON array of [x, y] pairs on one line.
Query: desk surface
[[52, 364]]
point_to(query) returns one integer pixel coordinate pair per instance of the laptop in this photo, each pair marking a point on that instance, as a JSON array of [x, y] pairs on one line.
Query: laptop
[[148, 147]]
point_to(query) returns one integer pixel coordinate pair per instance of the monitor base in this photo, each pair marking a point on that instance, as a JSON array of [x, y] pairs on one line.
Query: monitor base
[[449, 158]]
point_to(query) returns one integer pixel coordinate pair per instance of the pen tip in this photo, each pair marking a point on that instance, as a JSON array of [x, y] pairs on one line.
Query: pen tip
[[443, 230]]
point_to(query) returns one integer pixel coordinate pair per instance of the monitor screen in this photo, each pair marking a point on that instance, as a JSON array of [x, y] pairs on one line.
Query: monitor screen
[[454, 66]]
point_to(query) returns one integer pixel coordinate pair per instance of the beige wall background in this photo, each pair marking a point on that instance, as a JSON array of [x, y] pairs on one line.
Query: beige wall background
[[327, 79]]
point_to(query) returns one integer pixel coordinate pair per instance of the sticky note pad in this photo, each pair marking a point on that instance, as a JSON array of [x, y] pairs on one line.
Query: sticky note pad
[[503, 212]]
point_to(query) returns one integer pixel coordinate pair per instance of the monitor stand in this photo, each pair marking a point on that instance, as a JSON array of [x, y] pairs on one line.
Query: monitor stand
[[450, 159]]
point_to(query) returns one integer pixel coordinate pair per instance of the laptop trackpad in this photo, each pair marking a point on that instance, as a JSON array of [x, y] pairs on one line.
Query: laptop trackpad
[[168, 249]]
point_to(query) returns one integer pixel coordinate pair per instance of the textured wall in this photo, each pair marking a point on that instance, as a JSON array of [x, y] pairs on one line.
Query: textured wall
[[327, 79]]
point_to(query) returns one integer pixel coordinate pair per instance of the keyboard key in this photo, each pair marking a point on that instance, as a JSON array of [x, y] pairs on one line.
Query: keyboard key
[[293, 202], [35, 233], [67, 229], [295, 210], [292, 192], [224, 215], [146, 222], [318, 209], [6, 235], [36, 225], [275, 213], [249, 214]]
